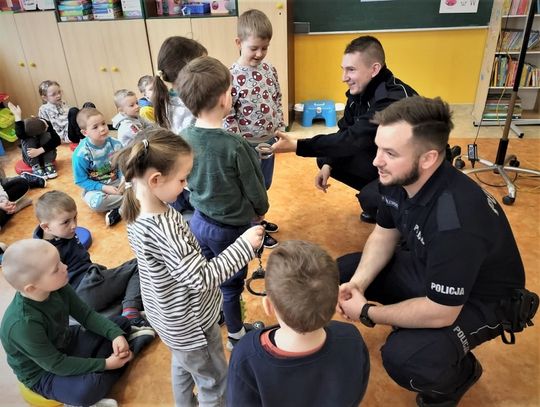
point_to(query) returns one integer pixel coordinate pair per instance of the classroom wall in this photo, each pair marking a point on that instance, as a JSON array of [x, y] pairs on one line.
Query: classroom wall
[[442, 63]]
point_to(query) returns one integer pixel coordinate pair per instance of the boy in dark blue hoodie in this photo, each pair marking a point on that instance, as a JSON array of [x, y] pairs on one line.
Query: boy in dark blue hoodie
[[101, 288]]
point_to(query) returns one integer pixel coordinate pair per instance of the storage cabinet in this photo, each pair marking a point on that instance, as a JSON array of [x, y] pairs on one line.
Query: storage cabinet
[[217, 34], [31, 52], [103, 57], [495, 84]]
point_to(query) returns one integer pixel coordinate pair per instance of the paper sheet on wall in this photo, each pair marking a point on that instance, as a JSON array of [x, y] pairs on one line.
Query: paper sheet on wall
[[459, 6]]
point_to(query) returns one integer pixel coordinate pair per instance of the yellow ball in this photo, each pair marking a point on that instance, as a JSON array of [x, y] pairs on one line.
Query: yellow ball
[[35, 399]]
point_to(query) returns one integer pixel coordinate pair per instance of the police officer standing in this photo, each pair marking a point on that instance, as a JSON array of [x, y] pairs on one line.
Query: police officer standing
[[348, 154], [440, 259]]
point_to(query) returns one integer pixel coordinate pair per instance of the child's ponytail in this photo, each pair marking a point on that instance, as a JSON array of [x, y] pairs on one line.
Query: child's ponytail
[[160, 100]]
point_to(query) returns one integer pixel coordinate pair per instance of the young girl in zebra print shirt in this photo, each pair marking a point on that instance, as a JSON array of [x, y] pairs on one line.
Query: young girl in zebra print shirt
[[179, 286]]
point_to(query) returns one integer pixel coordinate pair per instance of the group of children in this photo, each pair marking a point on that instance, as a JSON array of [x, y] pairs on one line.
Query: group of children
[[205, 135]]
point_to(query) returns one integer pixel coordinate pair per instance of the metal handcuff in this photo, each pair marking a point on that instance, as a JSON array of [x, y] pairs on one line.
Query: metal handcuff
[[257, 275]]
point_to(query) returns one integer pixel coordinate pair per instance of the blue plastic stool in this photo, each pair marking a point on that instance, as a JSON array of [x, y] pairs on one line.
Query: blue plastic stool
[[319, 109], [84, 236]]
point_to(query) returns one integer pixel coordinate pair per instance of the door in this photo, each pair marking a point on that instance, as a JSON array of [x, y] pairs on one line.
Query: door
[[14, 76], [88, 63], [43, 50]]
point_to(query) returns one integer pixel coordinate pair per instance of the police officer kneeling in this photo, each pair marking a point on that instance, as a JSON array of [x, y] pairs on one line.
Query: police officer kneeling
[[441, 258]]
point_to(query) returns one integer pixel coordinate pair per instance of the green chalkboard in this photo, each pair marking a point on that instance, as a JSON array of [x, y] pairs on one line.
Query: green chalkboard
[[356, 15]]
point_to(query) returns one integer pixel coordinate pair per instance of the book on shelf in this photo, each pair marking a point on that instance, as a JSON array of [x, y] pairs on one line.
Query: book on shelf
[[505, 69], [516, 7], [512, 39], [496, 107]]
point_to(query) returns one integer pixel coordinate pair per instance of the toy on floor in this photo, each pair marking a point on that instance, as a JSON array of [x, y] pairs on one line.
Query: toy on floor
[[85, 237], [7, 125], [319, 109], [35, 399]]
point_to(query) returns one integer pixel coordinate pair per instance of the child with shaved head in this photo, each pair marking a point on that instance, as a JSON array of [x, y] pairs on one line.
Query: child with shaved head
[[74, 365]]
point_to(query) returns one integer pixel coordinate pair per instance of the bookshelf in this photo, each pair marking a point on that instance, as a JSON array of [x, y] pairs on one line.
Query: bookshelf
[[503, 44]]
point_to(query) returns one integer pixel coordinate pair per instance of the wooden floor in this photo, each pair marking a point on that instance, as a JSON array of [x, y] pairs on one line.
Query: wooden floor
[[511, 373]]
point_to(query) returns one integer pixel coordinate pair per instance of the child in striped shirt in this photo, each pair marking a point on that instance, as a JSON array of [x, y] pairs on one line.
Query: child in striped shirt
[[179, 286]]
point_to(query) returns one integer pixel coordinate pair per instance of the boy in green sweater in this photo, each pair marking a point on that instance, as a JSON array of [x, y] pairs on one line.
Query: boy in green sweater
[[226, 182], [75, 365]]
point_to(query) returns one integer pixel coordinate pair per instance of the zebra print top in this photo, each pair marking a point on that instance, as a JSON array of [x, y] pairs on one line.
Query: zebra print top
[[179, 286]]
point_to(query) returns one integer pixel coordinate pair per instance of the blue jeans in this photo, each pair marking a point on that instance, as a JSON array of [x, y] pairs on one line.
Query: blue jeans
[[267, 166], [206, 368], [214, 237], [85, 389]]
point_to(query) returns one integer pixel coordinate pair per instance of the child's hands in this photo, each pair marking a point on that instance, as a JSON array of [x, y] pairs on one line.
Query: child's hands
[[8, 206], [120, 346], [116, 362], [16, 110], [254, 236], [34, 152], [109, 189]]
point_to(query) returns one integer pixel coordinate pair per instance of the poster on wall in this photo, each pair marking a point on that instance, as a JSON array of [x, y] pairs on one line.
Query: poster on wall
[[459, 6]]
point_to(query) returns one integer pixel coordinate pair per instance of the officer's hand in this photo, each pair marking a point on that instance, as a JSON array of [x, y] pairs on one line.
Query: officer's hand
[[352, 306], [321, 180], [284, 143]]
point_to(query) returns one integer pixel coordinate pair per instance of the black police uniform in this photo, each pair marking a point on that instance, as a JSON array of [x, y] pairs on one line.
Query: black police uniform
[[457, 248], [351, 151]]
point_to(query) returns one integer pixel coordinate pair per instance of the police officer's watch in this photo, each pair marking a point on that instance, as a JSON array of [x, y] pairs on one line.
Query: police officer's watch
[[364, 315]]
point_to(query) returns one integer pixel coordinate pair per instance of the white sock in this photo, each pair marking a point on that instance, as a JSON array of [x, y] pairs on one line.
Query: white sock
[[238, 335]]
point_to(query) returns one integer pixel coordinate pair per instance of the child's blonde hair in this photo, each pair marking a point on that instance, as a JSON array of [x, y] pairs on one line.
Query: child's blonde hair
[[120, 95], [84, 114], [20, 265], [152, 148], [256, 23], [201, 83], [53, 203], [144, 81], [44, 86], [174, 54]]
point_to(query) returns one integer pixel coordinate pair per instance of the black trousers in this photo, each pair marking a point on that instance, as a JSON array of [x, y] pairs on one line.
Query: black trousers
[[367, 185], [15, 187], [84, 389], [429, 361]]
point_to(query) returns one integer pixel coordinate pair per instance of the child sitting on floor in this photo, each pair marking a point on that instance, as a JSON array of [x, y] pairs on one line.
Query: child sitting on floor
[[92, 167], [127, 121], [57, 112], [104, 290], [146, 87], [66, 363], [38, 143]]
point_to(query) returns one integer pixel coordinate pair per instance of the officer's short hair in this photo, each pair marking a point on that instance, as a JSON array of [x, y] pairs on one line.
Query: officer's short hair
[[302, 282], [370, 46], [431, 120]]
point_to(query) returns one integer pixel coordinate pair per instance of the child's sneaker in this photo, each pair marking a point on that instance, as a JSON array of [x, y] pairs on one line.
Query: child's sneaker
[[34, 181], [39, 171], [113, 217], [269, 227], [100, 403], [139, 338], [50, 171], [247, 327], [269, 242]]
